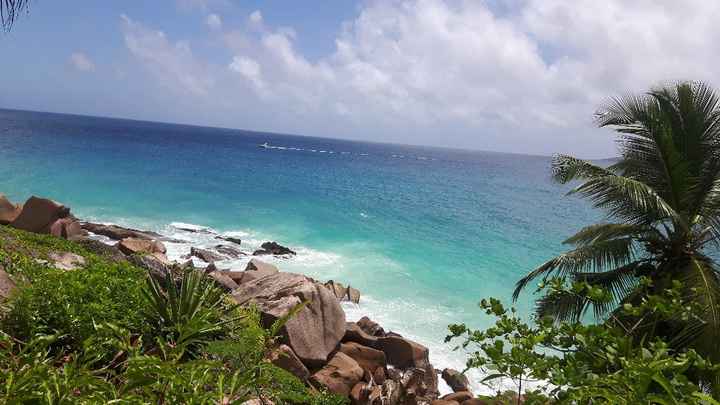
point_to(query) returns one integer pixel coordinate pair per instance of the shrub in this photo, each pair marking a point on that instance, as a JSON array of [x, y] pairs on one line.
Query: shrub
[[69, 303], [599, 364]]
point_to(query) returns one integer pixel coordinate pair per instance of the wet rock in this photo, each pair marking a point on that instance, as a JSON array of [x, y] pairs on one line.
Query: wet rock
[[413, 383], [370, 327], [191, 228], [286, 359], [236, 241], [229, 251], [205, 255], [273, 248], [368, 358], [132, 246], [315, 330], [7, 285], [118, 232], [339, 375], [456, 380], [66, 260], [8, 210], [38, 214]]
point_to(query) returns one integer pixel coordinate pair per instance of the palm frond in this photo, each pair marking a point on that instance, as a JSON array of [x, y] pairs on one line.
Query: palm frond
[[10, 10], [606, 231], [591, 258], [569, 306], [568, 168], [562, 306], [628, 199], [701, 287], [623, 197]]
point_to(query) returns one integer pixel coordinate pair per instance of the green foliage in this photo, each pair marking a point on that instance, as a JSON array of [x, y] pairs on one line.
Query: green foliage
[[662, 200], [188, 315], [108, 333], [69, 303], [599, 364]]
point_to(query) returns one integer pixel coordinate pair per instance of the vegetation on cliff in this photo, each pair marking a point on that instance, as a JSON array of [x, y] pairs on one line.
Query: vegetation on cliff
[[106, 332]]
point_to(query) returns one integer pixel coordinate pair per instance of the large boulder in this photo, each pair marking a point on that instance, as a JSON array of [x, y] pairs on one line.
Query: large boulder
[[370, 327], [205, 255], [38, 214], [254, 270], [132, 246], [67, 228], [343, 293], [8, 210], [353, 333], [102, 249], [7, 285], [456, 380], [315, 330], [404, 353], [222, 280], [339, 375], [286, 359], [157, 268], [368, 358], [273, 248]]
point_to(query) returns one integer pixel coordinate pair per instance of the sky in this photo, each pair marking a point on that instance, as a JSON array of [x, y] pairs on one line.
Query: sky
[[503, 75]]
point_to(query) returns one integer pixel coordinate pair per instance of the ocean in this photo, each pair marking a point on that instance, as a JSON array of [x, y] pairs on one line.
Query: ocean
[[424, 233]]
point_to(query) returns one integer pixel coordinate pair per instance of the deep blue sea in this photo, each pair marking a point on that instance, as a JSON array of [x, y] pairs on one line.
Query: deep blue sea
[[424, 233]]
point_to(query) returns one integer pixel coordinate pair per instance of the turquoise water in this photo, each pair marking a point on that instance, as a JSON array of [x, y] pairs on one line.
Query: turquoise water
[[423, 232]]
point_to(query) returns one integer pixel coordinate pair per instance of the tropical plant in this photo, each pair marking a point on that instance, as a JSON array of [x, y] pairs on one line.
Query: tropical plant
[[188, 312], [662, 199], [571, 362]]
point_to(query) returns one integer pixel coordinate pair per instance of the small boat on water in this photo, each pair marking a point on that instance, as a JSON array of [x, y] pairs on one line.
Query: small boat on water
[[264, 145]]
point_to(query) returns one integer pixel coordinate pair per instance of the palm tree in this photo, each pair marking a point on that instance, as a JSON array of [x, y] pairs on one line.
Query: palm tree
[[10, 10], [662, 200]]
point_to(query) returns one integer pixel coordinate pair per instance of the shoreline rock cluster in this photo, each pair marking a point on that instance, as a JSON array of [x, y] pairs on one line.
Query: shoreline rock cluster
[[359, 360]]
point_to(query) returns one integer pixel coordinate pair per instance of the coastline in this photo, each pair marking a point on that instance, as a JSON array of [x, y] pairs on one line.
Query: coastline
[[326, 350]]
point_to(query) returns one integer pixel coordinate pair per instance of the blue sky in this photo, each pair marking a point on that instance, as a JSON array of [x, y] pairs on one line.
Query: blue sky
[[507, 75]]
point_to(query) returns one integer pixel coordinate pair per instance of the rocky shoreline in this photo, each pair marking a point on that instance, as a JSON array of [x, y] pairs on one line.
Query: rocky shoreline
[[359, 360]]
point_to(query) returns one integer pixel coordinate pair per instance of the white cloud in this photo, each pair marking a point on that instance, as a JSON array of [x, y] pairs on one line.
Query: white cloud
[[173, 64], [82, 62], [458, 73], [249, 68], [256, 17], [213, 21]]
